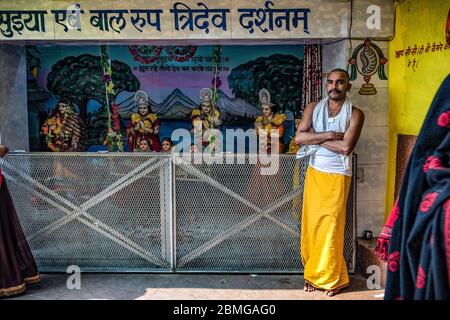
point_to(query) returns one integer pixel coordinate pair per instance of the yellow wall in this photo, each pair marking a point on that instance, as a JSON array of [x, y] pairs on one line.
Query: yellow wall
[[411, 92]]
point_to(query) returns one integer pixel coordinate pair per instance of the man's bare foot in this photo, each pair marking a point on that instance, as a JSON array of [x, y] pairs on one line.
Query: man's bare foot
[[331, 293], [308, 287]]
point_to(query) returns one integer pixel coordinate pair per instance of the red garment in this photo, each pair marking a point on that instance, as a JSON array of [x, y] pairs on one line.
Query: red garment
[[133, 138], [17, 265], [386, 232]]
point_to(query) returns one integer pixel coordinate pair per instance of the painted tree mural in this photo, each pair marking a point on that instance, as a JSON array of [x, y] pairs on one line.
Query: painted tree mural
[[80, 79], [281, 74]]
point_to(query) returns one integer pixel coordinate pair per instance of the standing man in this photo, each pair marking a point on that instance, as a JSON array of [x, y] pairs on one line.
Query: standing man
[[328, 131]]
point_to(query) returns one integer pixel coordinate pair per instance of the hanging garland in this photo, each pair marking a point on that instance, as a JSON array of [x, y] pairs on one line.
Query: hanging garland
[[114, 137], [181, 53], [216, 82], [145, 54], [217, 59]]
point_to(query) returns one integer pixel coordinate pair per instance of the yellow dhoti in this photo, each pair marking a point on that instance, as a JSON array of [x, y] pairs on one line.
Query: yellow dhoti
[[323, 222]]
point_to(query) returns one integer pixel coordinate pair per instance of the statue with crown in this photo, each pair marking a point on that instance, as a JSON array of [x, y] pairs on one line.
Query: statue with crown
[[268, 123], [206, 117], [143, 125]]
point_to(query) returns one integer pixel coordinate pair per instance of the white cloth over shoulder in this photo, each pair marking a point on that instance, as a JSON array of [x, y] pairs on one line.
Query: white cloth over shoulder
[[320, 123]]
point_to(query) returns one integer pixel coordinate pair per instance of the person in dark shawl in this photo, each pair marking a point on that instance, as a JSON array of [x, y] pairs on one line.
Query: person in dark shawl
[[17, 265], [415, 240]]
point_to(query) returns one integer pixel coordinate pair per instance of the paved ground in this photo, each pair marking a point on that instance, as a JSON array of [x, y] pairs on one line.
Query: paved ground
[[190, 287]]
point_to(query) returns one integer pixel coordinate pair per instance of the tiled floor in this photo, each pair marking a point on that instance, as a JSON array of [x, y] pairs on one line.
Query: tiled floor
[[191, 287]]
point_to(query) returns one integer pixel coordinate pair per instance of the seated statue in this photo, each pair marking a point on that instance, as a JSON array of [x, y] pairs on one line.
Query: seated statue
[[64, 130]]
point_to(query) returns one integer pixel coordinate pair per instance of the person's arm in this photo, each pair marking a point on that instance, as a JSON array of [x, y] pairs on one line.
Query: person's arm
[[156, 125], [147, 125], [3, 150], [351, 136], [306, 135]]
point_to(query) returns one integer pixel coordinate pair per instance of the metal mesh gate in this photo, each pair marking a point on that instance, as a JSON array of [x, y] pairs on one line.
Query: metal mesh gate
[[232, 218], [98, 212], [161, 213]]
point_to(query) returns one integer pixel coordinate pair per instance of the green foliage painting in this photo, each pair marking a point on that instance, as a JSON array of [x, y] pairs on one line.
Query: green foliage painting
[[80, 79], [280, 74]]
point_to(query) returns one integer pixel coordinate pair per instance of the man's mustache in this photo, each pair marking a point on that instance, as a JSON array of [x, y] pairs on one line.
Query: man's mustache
[[334, 90]]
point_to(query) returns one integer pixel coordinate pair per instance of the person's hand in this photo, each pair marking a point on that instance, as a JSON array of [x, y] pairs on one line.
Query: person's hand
[[332, 135], [3, 150]]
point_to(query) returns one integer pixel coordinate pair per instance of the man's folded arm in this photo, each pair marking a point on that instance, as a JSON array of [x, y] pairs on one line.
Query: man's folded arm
[[305, 133], [351, 136]]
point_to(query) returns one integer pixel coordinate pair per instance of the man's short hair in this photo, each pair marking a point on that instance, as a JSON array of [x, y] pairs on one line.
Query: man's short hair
[[341, 71]]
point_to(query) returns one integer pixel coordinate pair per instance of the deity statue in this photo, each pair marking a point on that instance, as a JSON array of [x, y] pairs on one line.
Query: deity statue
[[64, 130], [206, 117], [143, 124], [268, 122]]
